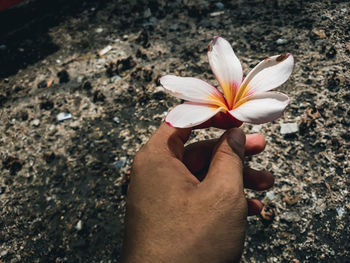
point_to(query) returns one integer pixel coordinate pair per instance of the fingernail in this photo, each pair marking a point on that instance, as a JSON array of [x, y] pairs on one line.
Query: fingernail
[[254, 208], [236, 140]]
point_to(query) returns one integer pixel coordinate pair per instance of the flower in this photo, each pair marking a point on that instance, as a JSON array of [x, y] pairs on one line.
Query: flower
[[249, 100]]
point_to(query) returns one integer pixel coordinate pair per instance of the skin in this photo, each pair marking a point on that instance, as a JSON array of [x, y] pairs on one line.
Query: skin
[[187, 204]]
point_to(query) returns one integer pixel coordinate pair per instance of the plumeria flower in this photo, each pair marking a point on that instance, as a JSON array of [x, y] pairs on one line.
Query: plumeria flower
[[249, 100]]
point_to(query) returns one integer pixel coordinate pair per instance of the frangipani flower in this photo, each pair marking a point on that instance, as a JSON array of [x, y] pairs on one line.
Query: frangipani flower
[[249, 100]]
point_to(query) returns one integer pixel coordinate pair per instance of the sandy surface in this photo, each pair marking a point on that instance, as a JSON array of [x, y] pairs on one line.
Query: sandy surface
[[63, 183]]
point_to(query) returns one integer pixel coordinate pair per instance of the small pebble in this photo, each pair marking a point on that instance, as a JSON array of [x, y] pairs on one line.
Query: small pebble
[[153, 20], [271, 195], [3, 253], [62, 116], [281, 41], [325, 17], [52, 127], [288, 128], [340, 211], [174, 27], [119, 164], [99, 30], [105, 50], [115, 78], [147, 13], [319, 32], [291, 217], [80, 79], [52, 197], [74, 125], [79, 225], [2, 47], [116, 120], [218, 13], [256, 128], [219, 5], [35, 122]]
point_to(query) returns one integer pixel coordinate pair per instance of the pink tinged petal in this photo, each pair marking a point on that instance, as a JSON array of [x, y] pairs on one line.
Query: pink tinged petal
[[261, 108], [267, 75], [192, 89], [190, 114], [226, 67]]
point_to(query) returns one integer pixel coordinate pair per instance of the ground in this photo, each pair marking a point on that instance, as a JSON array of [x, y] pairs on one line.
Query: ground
[[63, 183]]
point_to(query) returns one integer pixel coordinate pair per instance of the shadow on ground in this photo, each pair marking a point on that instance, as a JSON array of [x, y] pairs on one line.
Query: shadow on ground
[[24, 30]]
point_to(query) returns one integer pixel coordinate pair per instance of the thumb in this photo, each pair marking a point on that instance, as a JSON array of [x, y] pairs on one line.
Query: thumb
[[226, 167]]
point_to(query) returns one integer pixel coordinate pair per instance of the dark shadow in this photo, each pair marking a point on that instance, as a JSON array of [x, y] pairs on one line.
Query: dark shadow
[[24, 37]]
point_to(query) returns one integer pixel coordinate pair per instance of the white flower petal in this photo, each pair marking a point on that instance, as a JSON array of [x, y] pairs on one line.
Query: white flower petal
[[192, 89], [267, 75], [226, 67], [190, 114], [261, 108]]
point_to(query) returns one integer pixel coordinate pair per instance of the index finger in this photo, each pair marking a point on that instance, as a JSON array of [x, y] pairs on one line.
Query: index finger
[[169, 140]]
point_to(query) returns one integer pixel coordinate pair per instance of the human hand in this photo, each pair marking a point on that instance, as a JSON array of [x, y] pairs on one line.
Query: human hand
[[187, 204]]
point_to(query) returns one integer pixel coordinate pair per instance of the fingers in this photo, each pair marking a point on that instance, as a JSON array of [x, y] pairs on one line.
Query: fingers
[[226, 167], [254, 207], [169, 141], [255, 143], [257, 180], [197, 155], [252, 179]]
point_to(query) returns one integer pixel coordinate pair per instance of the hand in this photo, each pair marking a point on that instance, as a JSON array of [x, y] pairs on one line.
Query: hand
[[187, 204]]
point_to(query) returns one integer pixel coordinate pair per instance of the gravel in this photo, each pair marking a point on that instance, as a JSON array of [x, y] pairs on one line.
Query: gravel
[[63, 184]]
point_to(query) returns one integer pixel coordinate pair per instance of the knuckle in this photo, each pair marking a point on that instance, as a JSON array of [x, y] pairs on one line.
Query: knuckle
[[234, 197], [225, 150], [230, 200], [237, 162], [234, 159], [230, 188], [227, 189]]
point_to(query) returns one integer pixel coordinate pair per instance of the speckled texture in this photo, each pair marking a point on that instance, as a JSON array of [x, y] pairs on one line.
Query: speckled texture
[[63, 184]]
